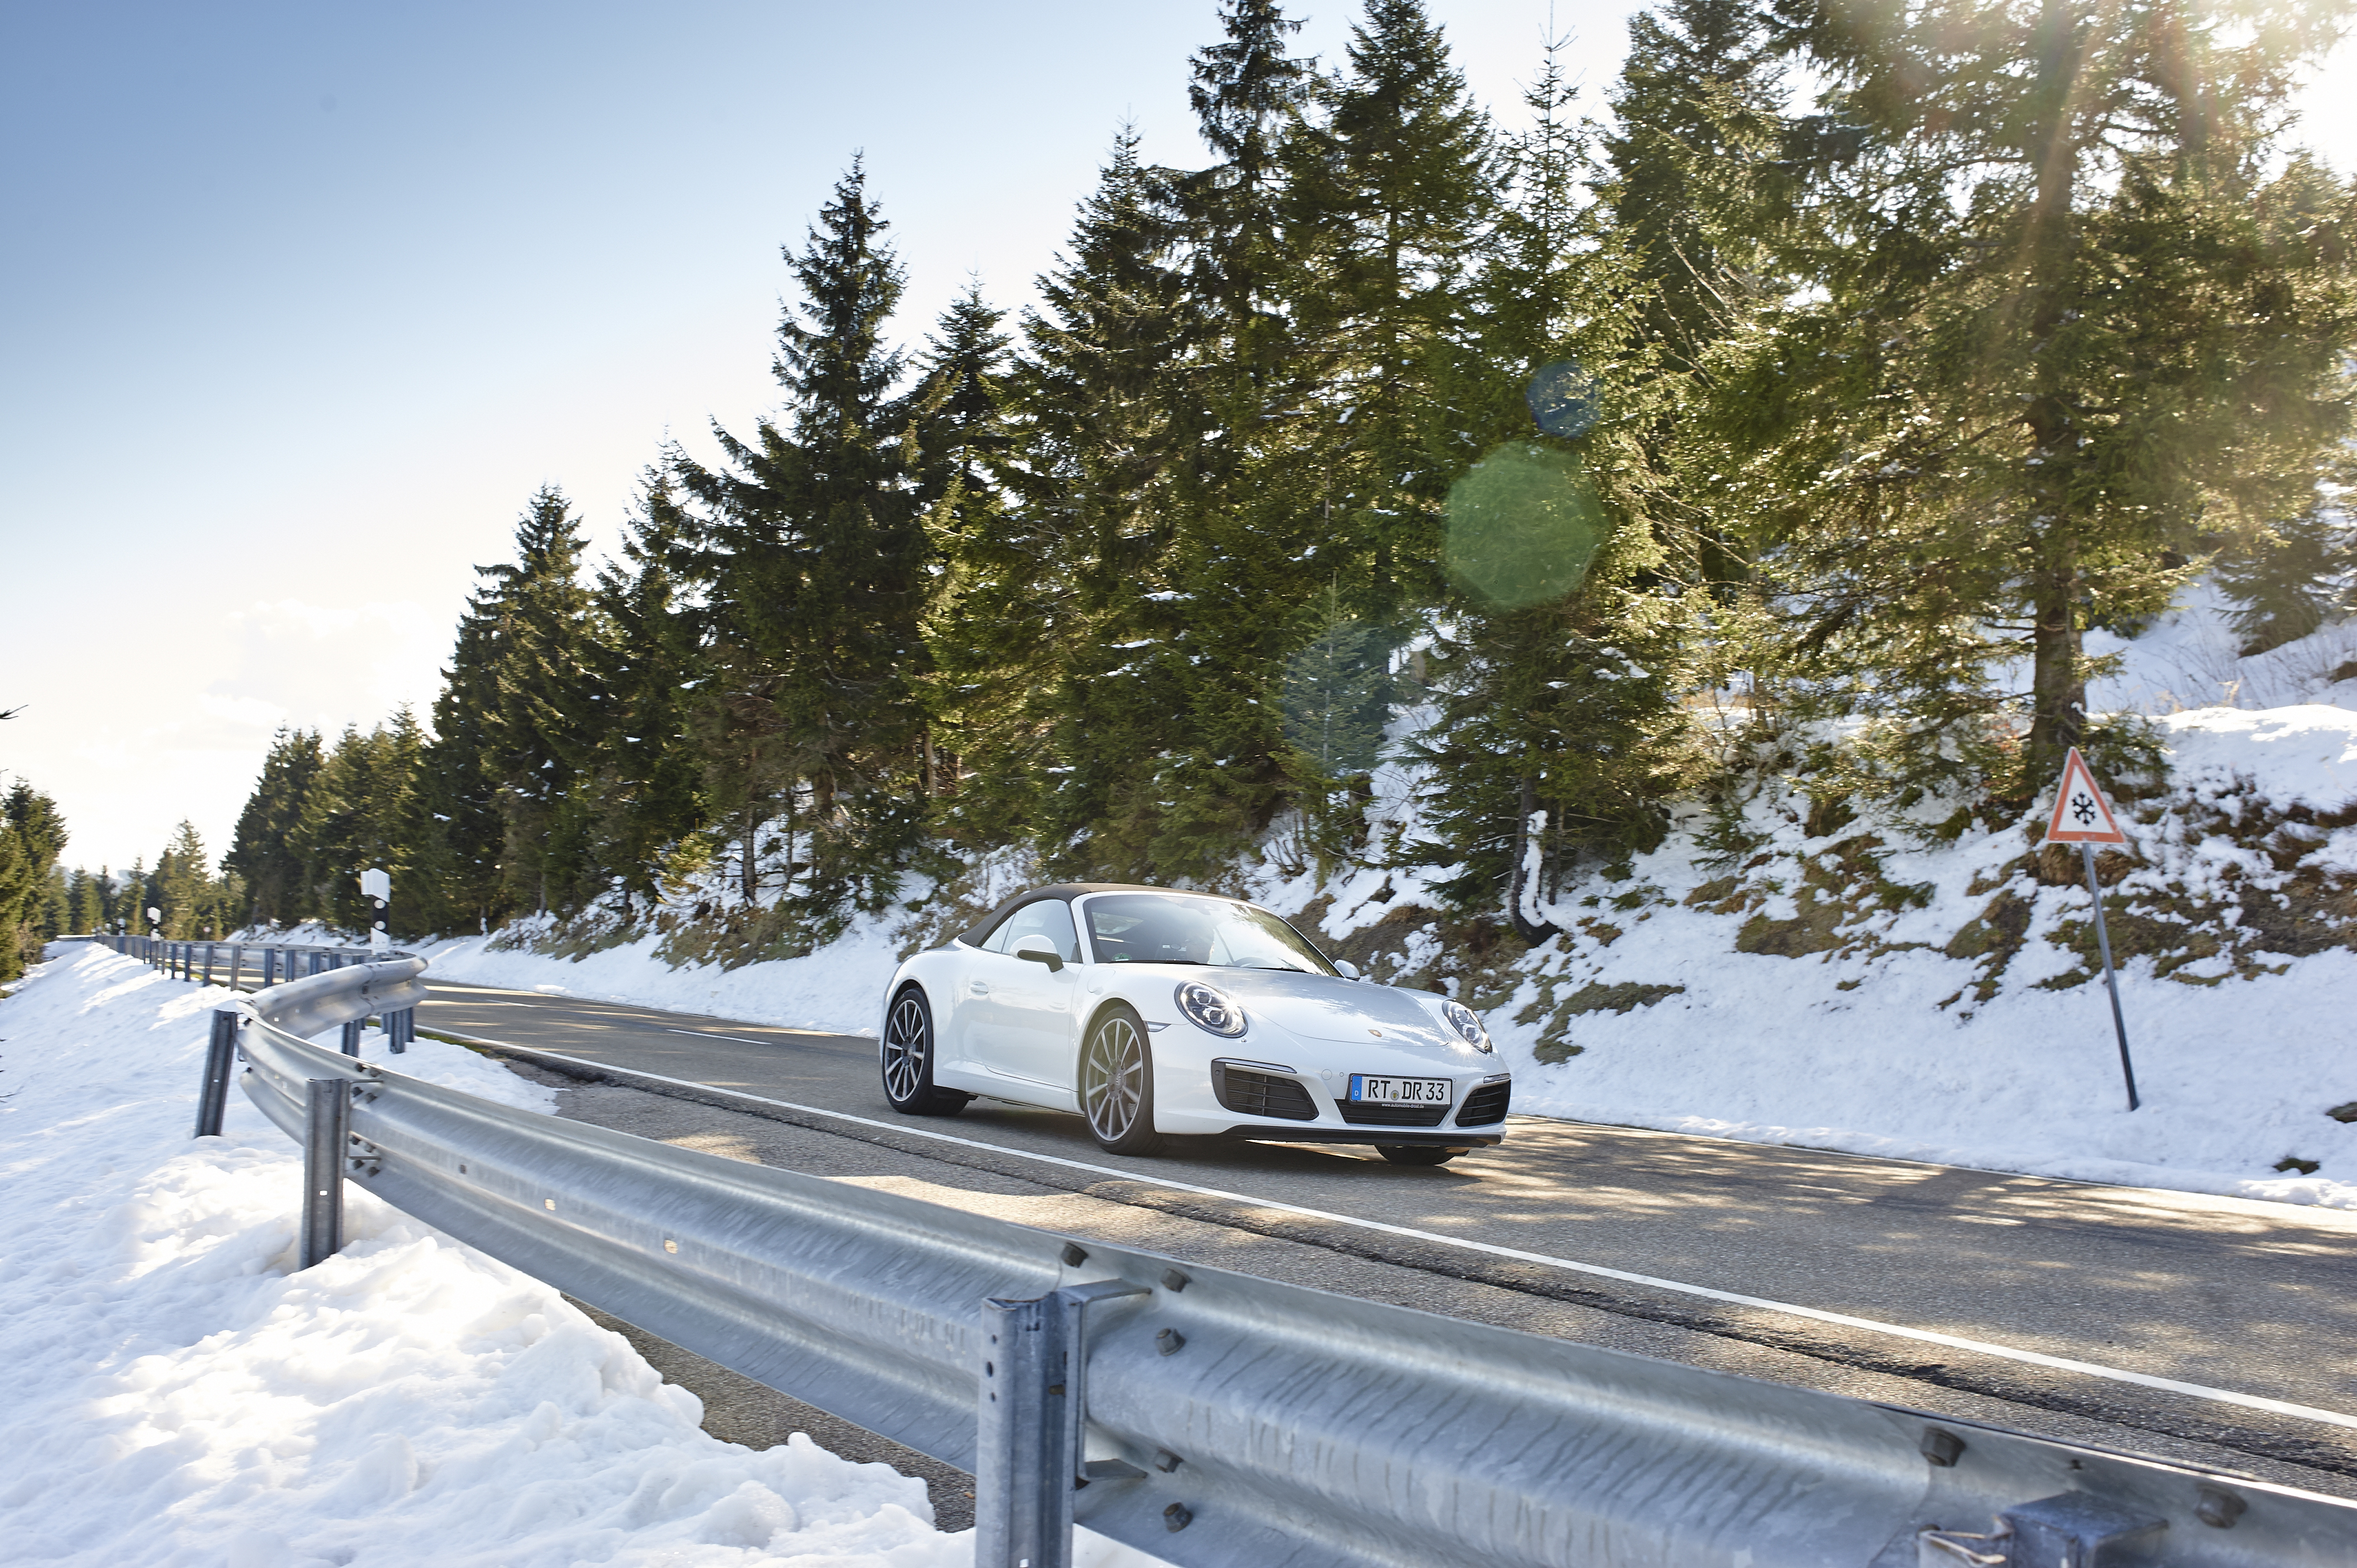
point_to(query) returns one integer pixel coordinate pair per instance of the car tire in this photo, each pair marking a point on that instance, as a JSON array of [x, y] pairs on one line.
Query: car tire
[[1117, 1083], [905, 1055], [1417, 1154]]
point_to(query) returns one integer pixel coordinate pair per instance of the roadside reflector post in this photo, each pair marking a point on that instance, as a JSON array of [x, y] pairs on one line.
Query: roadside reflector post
[[220, 1057], [2082, 816], [327, 1121]]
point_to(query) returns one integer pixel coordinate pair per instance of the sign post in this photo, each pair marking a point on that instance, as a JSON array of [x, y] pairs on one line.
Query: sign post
[[2082, 816], [377, 888]]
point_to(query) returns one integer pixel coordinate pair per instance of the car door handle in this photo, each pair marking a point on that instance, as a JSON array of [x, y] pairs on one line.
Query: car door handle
[[977, 988]]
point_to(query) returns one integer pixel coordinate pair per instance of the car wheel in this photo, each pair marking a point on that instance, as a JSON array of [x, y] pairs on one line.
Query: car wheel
[[906, 1056], [1417, 1154], [1117, 1083]]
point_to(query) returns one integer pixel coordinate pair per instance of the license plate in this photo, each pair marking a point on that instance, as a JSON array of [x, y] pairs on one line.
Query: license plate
[[1399, 1091]]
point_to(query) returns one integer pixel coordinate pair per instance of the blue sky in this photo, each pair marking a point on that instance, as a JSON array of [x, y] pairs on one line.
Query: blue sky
[[300, 303]]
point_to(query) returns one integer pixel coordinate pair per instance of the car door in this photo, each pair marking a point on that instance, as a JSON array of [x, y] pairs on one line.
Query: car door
[[1022, 1008]]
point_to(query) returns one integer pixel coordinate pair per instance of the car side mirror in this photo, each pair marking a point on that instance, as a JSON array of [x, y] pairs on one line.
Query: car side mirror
[[1039, 949], [1349, 971]]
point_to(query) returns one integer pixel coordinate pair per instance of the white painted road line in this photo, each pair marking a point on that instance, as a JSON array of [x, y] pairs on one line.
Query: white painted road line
[[702, 1035], [1923, 1336]]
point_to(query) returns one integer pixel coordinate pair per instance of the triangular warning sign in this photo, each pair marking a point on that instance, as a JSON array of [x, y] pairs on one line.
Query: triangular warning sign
[[2082, 815]]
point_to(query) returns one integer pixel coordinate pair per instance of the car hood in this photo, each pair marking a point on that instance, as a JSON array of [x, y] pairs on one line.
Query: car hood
[[1323, 1007]]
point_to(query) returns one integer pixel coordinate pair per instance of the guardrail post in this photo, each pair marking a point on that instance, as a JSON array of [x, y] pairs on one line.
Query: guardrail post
[[220, 1057], [352, 1037], [326, 1119], [1034, 1404], [401, 1028], [208, 963], [1022, 1485]]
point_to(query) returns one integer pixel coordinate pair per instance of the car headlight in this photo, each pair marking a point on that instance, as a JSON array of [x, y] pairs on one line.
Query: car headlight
[[1209, 1010], [1467, 1023]]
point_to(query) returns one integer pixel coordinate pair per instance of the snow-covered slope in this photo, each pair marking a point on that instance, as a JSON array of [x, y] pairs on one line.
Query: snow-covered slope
[[1870, 992], [177, 1395]]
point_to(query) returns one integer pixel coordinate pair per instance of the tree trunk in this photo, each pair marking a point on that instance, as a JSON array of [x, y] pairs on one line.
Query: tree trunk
[[2057, 695], [749, 882]]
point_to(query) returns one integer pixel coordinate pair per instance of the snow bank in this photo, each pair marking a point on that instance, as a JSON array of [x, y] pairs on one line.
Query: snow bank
[[180, 1396], [1888, 1031], [2304, 755], [839, 988]]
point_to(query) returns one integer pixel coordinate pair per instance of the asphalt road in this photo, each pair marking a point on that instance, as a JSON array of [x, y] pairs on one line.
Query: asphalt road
[[2233, 1297]]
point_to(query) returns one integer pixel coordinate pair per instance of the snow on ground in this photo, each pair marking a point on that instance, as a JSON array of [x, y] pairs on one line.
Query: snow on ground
[[2192, 658], [181, 1395], [1886, 1035], [840, 987]]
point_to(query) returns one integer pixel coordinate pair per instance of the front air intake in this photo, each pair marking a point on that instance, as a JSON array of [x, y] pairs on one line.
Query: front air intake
[[1249, 1094]]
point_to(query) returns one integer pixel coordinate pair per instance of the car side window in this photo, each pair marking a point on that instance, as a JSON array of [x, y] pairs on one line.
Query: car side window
[[1049, 918]]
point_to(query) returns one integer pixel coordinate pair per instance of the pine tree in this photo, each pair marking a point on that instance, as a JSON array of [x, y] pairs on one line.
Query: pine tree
[[461, 790], [1105, 429], [997, 585], [364, 811], [1698, 122], [1396, 194], [1246, 93], [185, 887], [32, 836], [817, 556], [86, 898], [263, 850], [2067, 328], [1558, 738], [638, 804], [515, 723]]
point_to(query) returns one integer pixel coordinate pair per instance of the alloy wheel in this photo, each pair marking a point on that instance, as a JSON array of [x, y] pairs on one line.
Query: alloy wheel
[[906, 1044], [1113, 1078]]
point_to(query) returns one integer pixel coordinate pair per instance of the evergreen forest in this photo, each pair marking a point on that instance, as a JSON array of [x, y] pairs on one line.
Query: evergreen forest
[[1797, 406]]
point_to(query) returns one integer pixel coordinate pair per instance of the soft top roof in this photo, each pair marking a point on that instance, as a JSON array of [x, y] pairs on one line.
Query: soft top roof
[[1067, 890]]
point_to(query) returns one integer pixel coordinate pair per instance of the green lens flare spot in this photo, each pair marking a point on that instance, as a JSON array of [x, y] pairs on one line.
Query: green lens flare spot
[[1523, 526]]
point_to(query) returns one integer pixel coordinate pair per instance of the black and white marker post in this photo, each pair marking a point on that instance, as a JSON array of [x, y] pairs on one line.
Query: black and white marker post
[[376, 887], [2082, 816]]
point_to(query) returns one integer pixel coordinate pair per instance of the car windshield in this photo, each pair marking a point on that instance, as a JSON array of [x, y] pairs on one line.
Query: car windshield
[[1174, 928]]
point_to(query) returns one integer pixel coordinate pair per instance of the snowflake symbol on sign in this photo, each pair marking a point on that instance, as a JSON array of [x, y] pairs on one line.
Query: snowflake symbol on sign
[[2082, 808]]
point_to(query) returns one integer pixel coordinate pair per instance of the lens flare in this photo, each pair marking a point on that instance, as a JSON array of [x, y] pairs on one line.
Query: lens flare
[[1562, 399], [1523, 526]]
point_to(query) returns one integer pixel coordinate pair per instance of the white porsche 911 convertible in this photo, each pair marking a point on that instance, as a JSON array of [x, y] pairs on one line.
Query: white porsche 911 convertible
[[1152, 1011]]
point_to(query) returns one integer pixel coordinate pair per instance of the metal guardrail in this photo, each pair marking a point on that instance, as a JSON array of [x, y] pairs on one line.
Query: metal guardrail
[[1210, 1418], [274, 963]]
